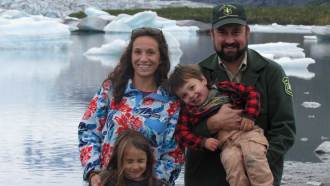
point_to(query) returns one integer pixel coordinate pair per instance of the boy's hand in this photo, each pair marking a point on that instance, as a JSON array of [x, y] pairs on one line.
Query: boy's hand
[[247, 124], [211, 144]]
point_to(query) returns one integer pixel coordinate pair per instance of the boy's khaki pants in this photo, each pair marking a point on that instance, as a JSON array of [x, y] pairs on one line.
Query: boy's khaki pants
[[244, 159]]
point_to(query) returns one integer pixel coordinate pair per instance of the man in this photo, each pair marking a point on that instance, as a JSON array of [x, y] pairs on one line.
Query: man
[[235, 62]]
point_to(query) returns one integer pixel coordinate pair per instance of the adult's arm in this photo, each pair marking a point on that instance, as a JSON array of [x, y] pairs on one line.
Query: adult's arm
[[171, 157], [226, 118], [281, 129], [89, 131]]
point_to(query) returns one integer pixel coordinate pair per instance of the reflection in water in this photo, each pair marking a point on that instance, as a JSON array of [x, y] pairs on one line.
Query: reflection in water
[[35, 142], [320, 49], [44, 94]]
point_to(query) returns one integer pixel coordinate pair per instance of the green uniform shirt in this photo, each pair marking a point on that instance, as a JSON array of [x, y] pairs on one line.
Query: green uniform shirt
[[276, 118]]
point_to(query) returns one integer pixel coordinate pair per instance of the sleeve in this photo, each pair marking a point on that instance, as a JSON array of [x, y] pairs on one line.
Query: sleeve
[[171, 159], [90, 131], [184, 134], [247, 94], [281, 130]]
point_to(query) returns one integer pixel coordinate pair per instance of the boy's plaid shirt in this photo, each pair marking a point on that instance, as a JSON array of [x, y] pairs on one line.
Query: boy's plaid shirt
[[241, 96]]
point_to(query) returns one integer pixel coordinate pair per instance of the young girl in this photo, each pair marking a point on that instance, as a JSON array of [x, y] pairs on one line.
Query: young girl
[[131, 162]]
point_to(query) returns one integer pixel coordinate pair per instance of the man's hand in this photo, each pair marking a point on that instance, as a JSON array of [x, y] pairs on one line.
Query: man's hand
[[95, 180], [247, 124], [226, 118], [211, 144]]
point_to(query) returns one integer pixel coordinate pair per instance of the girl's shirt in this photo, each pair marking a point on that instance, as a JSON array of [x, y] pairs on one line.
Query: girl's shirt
[[154, 115]]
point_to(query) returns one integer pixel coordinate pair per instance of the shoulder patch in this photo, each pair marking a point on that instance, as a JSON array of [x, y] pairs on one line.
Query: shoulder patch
[[287, 86]]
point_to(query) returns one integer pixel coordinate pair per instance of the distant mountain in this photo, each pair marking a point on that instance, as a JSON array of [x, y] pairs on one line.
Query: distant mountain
[[268, 3]]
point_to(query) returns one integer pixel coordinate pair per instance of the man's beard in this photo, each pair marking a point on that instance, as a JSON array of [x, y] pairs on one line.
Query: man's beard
[[232, 56]]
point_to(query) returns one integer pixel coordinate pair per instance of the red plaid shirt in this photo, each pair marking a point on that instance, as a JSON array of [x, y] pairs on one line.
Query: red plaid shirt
[[241, 96]]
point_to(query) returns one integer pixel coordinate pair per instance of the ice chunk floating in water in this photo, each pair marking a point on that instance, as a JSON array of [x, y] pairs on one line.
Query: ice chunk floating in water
[[307, 104], [323, 151], [279, 49], [296, 67], [22, 31], [108, 54], [126, 23], [289, 56]]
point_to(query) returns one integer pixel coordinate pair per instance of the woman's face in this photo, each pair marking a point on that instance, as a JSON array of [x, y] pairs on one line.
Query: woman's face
[[145, 57], [135, 163]]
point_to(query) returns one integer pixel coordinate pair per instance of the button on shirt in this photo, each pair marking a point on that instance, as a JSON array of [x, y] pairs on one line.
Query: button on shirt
[[235, 77]]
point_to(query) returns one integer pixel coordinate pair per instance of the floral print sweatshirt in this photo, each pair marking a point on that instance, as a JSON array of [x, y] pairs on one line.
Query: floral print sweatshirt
[[155, 115]]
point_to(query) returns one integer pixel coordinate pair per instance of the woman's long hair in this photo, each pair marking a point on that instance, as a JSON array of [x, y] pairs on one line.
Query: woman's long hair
[[115, 170], [124, 70]]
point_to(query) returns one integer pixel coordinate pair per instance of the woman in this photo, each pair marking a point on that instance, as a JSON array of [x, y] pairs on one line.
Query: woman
[[132, 97]]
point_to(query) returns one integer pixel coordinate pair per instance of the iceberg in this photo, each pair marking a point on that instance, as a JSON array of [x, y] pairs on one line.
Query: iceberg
[[297, 67], [94, 12], [279, 49], [95, 20], [108, 54], [310, 38], [276, 28], [127, 23], [289, 56], [323, 151], [21, 31]]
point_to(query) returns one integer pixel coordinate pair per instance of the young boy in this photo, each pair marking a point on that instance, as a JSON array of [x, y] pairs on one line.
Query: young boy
[[243, 151]]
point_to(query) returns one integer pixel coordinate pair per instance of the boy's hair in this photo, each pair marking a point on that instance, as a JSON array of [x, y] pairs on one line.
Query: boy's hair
[[115, 170], [181, 74]]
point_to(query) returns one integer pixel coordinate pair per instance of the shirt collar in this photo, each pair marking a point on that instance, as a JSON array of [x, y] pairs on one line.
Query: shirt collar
[[160, 94], [242, 66]]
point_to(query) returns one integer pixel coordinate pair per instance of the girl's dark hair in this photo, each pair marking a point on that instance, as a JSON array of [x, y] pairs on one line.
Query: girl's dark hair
[[124, 70], [115, 170]]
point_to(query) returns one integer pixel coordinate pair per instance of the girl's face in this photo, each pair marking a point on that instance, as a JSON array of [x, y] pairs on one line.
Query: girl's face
[[135, 163], [145, 57]]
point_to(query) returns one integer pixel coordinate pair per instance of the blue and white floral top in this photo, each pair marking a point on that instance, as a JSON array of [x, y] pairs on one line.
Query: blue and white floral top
[[155, 115]]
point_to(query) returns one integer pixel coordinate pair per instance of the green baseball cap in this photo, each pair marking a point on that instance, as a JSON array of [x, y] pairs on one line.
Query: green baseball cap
[[228, 13]]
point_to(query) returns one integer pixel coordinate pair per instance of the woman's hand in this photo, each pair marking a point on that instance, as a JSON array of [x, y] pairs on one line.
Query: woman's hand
[[226, 118], [95, 179]]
